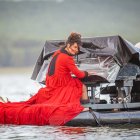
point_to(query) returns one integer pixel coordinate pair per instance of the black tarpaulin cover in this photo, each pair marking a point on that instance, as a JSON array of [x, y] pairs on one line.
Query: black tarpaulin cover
[[116, 51]]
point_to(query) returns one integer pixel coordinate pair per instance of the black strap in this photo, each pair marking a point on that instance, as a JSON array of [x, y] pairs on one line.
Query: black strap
[[94, 116], [51, 69]]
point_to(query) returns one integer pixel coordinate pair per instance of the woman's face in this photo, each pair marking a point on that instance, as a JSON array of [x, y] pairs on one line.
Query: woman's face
[[73, 49]]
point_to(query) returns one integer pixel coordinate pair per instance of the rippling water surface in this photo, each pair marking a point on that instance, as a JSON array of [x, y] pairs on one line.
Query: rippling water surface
[[18, 87]]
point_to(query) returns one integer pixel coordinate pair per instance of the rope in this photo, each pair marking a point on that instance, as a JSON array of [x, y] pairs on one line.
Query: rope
[[95, 117]]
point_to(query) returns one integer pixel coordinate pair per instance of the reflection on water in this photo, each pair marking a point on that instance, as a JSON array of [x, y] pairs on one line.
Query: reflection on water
[[19, 87], [68, 133]]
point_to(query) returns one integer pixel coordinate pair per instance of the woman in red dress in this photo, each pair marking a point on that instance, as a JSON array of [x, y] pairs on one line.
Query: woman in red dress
[[59, 101]]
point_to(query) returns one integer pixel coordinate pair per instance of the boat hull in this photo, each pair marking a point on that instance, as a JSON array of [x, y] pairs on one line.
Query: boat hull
[[123, 117]]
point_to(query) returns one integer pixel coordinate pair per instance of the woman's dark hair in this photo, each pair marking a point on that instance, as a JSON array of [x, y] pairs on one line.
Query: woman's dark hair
[[74, 38]]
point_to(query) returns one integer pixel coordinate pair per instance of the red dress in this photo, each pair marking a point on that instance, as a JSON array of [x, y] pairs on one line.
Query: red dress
[[56, 104]]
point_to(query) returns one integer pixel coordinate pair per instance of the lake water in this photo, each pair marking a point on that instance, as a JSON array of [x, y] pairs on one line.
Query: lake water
[[18, 87]]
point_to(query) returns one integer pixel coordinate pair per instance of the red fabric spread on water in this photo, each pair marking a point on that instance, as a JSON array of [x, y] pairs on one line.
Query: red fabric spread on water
[[56, 104]]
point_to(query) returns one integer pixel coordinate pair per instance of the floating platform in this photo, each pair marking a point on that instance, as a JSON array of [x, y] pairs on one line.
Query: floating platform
[[108, 114], [105, 118]]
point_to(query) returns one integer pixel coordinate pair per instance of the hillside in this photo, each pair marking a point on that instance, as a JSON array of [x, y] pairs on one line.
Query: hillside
[[29, 23]]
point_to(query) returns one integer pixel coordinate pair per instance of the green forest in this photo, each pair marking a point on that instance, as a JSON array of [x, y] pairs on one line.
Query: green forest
[[25, 25]]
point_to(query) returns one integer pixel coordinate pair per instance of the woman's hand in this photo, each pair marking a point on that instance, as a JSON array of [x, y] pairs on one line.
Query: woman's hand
[[92, 73]]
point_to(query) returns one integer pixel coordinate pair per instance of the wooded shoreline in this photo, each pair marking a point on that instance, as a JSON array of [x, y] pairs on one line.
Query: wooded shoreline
[[16, 70]]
